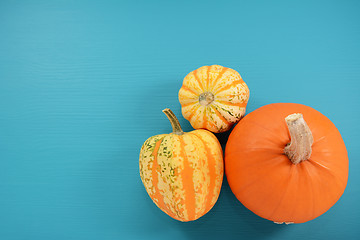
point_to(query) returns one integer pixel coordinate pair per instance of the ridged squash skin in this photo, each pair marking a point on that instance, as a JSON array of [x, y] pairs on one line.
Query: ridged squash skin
[[213, 98], [266, 181], [182, 173]]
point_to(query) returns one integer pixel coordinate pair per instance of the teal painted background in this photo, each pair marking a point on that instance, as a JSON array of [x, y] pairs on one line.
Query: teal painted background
[[83, 83]]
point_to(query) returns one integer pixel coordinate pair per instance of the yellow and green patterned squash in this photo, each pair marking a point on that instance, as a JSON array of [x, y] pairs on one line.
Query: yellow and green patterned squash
[[182, 172], [213, 98]]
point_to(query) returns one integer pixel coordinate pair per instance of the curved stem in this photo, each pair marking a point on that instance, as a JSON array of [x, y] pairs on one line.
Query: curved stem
[[299, 149], [174, 121]]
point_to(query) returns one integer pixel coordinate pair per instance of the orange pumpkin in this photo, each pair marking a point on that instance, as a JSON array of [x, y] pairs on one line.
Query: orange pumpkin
[[213, 98], [182, 172], [286, 162]]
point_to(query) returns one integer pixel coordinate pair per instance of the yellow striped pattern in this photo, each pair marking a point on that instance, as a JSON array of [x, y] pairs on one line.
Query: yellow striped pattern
[[182, 173], [231, 95]]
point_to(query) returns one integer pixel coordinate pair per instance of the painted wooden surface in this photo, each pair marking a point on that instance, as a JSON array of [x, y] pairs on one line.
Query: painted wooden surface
[[83, 83]]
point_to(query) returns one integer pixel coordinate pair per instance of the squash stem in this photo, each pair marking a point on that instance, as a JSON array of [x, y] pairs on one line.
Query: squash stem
[[299, 149], [206, 98], [174, 121]]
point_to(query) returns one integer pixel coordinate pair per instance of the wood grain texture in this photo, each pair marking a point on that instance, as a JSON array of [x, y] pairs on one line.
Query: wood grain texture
[[83, 83]]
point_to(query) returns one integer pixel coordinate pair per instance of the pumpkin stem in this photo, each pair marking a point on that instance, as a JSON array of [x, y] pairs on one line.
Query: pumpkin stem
[[206, 98], [174, 121], [299, 149]]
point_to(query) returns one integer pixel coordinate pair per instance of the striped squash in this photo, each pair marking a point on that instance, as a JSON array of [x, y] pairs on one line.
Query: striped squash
[[213, 98], [182, 172]]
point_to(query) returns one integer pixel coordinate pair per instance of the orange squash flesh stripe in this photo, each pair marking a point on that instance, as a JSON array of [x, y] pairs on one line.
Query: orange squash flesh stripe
[[219, 115], [194, 110], [188, 104], [208, 76], [187, 176], [226, 87], [198, 80], [186, 88], [242, 104], [219, 76]]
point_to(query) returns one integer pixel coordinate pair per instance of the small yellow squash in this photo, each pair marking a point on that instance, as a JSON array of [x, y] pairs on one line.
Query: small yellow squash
[[182, 172], [213, 98]]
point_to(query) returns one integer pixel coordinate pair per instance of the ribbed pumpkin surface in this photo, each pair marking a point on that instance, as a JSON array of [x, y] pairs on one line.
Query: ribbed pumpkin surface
[[213, 98], [264, 179], [182, 173]]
